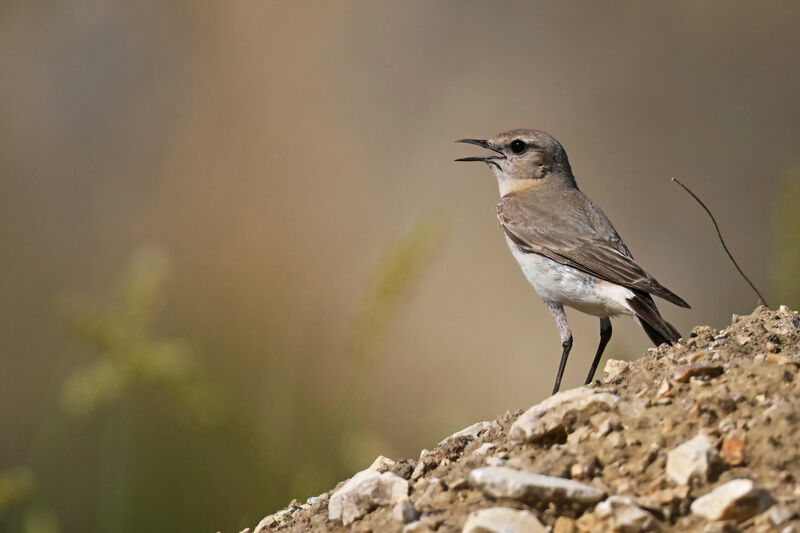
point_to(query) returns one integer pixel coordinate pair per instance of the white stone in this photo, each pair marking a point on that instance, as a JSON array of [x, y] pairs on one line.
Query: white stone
[[381, 464], [472, 431], [505, 482], [363, 491], [483, 449], [547, 417], [620, 513], [503, 520], [692, 458], [614, 368], [735, 500]]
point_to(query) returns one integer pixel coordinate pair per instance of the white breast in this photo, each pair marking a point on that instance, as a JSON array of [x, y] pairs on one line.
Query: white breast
[[571, 287]]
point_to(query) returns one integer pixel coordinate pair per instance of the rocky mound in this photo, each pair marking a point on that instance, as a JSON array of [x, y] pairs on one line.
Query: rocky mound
[[701, 436]]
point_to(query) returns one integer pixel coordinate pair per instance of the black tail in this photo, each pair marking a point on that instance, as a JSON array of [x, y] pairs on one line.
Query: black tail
[[659, 330]]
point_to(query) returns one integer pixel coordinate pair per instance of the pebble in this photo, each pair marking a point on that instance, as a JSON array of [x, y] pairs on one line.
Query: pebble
[[364, 491], [471, 432], [668, 495], [496, 461], [579, 435], [484, 449], [741, 340], [617, 514], [564, 525], [733, 448], [504, 482], [547, 417], [665, 390], [503, 520], [692, 458], [735, 500], [426, 462], [683, 373], [780, 359], [381, 464], [614, 368]]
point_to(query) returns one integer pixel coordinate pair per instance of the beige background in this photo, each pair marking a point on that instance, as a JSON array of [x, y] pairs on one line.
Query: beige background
[[273, 149]]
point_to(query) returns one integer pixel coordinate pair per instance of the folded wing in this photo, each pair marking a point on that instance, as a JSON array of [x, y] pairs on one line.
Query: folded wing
[[581, 238]]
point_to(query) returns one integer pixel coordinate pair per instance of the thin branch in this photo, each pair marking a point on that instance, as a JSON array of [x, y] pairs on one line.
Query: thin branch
[[719, 234]]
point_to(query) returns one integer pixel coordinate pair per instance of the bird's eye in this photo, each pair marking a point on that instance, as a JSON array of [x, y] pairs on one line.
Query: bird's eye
[[518, 146]]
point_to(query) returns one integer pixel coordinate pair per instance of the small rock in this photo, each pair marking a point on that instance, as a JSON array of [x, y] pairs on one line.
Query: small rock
[[614, 368], [773, 347], [733, 448], [547, 417], [496, 461], [471, 432], [669, 495], [665, 390], [780, 359], [504, 482], [579, 435], [617, 514], [274, 520], [403, 511], [426, 462], [735, 500], [503, 520], [741, 340], [483, 449], [585, 468], [683, 373], [381, 464], [564, 525], [758, 358], [364, 491], [692, 458]]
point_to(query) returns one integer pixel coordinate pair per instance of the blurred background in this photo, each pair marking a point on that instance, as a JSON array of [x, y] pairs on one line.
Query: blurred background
[[238, 260]]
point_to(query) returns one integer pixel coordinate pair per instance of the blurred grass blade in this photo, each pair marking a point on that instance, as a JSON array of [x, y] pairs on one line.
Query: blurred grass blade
[[398, 269]]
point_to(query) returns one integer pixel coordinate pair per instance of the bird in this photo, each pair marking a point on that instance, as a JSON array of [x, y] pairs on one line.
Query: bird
[[565, 245]]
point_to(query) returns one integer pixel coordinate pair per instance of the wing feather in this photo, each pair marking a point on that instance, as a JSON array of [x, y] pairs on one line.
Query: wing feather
[[581, 237]]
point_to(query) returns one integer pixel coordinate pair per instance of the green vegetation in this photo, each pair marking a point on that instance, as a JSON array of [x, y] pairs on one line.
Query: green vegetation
[[145, 437]]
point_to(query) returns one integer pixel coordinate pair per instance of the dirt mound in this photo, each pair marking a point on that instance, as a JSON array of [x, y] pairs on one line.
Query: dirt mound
[[701, 436]]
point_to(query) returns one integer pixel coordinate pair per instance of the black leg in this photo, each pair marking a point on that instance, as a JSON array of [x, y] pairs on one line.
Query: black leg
[[605, 336], [567, 345], [557, 310]]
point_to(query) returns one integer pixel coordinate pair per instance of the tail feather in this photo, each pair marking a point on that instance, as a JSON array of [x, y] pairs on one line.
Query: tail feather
[[659, 330], [663, 292]]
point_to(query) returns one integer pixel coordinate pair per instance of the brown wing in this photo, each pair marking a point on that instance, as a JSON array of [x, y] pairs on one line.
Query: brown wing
[[577, 234]]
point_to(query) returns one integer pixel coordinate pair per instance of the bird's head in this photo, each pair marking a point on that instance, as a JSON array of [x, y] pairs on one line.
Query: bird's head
[[523, 155]]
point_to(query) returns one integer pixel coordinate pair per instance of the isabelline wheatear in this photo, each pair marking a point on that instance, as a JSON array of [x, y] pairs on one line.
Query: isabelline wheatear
[[565, 244]]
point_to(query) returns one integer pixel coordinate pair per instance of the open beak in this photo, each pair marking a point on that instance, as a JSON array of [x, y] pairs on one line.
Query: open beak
[[483, 144]]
